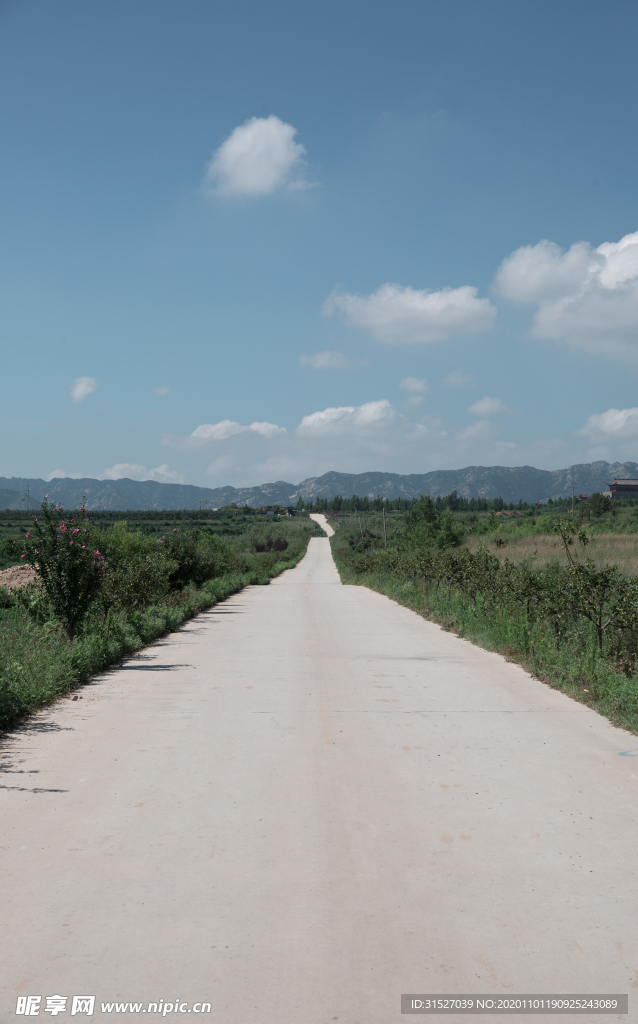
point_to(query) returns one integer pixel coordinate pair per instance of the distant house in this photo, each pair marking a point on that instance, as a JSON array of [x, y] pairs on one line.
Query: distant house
[[623, 488]]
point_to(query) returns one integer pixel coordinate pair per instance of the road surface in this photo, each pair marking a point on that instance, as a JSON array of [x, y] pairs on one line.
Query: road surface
[[304, 803]]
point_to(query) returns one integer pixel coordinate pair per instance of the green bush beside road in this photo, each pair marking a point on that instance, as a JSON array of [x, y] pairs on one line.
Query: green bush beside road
[[574, 626], [147, 587]]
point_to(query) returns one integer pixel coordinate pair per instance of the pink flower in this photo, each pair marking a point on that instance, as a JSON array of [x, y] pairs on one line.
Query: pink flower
[[62, 528], [75, 531], [101, 558], [23, 556], [28, 534], [37, 552], [83, 546], [70, 542]]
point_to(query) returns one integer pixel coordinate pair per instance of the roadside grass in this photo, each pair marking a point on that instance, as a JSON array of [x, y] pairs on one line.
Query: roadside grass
[[572, 665], [38, 662]]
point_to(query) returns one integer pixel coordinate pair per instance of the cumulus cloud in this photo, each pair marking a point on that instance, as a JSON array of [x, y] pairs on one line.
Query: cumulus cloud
[[267, 429], [459, 380], [61, 474], [220, 465], [326, 361], [217, 431], [345, 419], [487, 407], [376, 435], [133, 471], [82, 387], [585, 297], [257, 158], [415, 385], [478, 431], [614, 424], [226, 428], [407, 316]]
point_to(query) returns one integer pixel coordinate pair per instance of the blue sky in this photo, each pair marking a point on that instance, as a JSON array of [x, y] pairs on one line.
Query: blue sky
[[242, 242]]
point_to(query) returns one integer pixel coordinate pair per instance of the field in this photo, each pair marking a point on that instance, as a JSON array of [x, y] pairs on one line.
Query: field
[[225, 523], [542, 549]]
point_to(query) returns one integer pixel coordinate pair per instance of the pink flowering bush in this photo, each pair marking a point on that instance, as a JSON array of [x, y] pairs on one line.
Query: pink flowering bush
[[70, 569]]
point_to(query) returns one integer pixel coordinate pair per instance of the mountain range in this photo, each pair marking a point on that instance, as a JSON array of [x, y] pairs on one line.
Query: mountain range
[[511, 483]]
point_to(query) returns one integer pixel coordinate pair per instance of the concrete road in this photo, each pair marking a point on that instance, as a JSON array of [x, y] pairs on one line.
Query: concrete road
[[304, 803]]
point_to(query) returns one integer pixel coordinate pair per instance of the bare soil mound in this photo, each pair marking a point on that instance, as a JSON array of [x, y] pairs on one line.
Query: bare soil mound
[[17, 577]]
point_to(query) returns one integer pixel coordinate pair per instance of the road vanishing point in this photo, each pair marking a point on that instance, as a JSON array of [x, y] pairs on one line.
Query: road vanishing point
[[304, 803]]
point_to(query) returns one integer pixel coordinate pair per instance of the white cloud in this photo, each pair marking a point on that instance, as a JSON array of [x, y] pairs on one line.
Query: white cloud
[[218, 431], [257, 158], [415, 385], [165, 475], [459, 380], [487, 407], [124, 470], [585, 297], [81, 387], [221, 465], [599, 453], [478, 431], [375, 435], [267, 429], [326, 361], [397, 315], [133, 471], [160, 391], [347, 419], [61, 474], [614, 424], [226, 428]]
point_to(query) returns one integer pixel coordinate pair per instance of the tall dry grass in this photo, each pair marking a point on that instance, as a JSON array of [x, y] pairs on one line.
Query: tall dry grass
[[603, 549]]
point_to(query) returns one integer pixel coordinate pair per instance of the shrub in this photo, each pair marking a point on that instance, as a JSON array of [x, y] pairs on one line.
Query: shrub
[[197, 557], [137, 571], [279, 544], [70, 568]]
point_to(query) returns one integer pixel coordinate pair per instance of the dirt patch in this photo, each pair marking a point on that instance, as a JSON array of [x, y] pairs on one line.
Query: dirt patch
[[17, 577]]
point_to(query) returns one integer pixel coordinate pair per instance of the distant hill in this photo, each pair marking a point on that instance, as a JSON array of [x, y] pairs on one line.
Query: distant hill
[[134, 495], [11, 499], [509, 483]]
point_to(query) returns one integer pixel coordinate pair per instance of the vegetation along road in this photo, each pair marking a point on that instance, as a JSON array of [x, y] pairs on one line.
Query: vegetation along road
[[306, 802]]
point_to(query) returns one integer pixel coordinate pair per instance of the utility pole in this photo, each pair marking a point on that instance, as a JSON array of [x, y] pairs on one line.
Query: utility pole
[[28, 489], [572, 502], [385, 532]]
